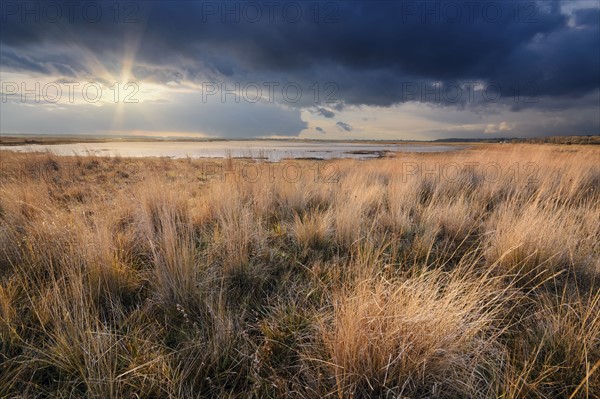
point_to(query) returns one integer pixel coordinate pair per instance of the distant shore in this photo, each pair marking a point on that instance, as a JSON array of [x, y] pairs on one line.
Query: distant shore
[[10, 140], [18, 139]]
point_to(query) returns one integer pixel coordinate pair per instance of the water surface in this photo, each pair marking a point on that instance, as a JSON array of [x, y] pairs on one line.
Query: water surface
[[263, 149]]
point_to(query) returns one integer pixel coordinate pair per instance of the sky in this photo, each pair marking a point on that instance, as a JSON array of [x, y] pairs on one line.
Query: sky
[[394, 70]]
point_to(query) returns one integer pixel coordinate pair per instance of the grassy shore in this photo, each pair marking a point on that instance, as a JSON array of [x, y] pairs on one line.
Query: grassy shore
[[469, 274]]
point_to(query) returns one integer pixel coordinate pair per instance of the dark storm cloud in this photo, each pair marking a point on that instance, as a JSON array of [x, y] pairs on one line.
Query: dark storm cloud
[[375, 52], [587, 17]]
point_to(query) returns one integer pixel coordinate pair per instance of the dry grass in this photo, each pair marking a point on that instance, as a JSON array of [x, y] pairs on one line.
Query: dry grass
[[467, 274], [431, 333]]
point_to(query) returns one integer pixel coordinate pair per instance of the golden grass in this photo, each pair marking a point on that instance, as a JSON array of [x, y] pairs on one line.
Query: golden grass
[[432, 332], [465, 274]]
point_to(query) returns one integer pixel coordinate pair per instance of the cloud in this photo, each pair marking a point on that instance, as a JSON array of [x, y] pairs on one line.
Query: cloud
[[344, 126], [588, 17], [369, 50], [500, 127], [533, 55], [185, 113], [325, 112]]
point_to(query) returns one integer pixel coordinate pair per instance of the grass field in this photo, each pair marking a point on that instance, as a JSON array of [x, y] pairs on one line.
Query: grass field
[[468, 274]]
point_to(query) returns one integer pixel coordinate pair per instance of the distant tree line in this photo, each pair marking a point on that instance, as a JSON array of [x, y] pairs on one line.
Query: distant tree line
[[590, 139]]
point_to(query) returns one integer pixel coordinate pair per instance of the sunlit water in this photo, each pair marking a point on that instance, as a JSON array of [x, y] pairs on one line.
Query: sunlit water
[[268, 150]]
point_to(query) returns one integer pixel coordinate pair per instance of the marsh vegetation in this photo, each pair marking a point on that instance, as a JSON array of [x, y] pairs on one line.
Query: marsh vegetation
[[426, 275]]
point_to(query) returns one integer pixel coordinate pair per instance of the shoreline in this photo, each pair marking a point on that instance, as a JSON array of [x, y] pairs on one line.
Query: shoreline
[[11, 140]]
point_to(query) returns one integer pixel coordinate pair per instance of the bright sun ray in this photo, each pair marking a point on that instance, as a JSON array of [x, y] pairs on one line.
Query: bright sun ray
[[131, 46]]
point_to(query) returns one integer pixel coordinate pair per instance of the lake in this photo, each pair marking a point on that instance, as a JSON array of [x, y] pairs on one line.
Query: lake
[[263, 149]]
